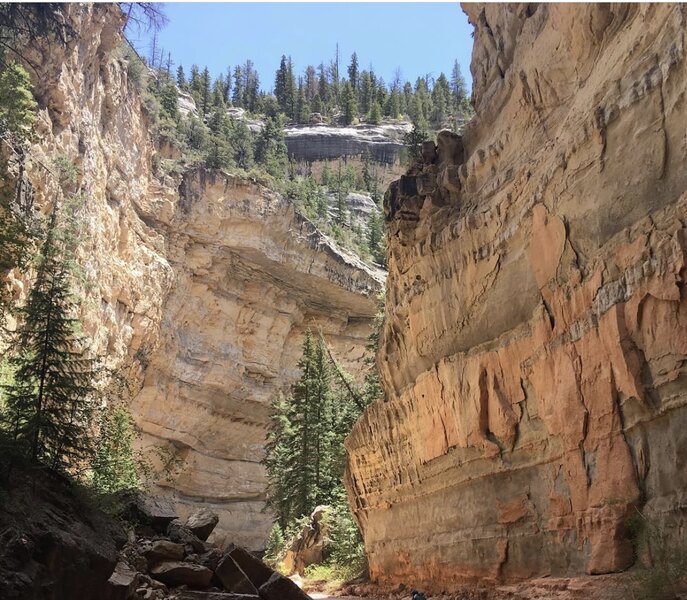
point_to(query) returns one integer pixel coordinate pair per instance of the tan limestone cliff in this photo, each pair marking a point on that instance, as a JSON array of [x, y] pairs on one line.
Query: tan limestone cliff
[[535, 344], [250, 277], [198, 291]]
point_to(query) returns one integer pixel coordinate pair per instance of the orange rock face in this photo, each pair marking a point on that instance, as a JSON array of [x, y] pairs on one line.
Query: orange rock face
[[534, 354]]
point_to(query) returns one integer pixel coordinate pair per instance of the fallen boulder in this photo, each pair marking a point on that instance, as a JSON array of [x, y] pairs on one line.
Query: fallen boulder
[[182, 573], [278, 587], [233, 579], [122, 583], [253, 568], [154, 511], [179, 533], [202, 522], [164, 550]]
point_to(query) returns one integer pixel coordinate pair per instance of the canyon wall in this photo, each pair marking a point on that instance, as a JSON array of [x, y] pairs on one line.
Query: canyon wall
[[197, 290], [250, 276], [534, 352]]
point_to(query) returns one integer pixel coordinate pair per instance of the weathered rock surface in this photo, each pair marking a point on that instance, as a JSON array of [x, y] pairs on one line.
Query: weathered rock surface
[[251, 276], [309, 546], [202, 522], [310, 143], [201, 296], [278, 587], [182, 573], [233, 578], [535, 345], [53, 546], [161, 550]]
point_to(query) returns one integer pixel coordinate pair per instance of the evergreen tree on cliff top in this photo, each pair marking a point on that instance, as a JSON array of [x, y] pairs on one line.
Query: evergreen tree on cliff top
[[48, 405], [349, 104]]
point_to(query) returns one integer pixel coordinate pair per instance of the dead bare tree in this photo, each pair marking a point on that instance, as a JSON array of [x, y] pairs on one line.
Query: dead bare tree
[[145, 16]]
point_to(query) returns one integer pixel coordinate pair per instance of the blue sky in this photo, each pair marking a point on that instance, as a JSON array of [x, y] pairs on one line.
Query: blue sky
[[419, 38]]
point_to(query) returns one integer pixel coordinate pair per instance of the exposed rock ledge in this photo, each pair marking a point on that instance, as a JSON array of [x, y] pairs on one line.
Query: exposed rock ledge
[[312, 143], [534, 354], [250, 275]]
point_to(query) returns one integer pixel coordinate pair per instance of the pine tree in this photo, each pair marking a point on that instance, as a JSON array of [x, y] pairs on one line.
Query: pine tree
[[367, 176], [419, 133], [335, 75], [326, 175], [169, 98], [241, 141], [114, 465], [194, 79], [181, 77], [290, 91], [218, 93], [270, 148], [251, 87], [341, 197], [376, 238], [393, 105], [323, 88], [375, 114], [458, 87], [17, 116], [205, 86], [197, 133], [304, 453], [49, 405], [218, 153], [237, 94], [227, 87], [353, 72], [349, 104], [17, 106], [302, 106], [280, 84], [310, 83], [366, 92]]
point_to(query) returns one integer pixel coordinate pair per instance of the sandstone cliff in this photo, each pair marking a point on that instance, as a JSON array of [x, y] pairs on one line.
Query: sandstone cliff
[[535, 345], [250, 275], [197, 291]]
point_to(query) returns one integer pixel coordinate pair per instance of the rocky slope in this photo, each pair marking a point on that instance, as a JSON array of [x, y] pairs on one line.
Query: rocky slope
[[535, 345], [196, 291]]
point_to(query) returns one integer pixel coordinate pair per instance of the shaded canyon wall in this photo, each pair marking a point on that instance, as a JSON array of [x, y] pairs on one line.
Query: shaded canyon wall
[[535, 344]]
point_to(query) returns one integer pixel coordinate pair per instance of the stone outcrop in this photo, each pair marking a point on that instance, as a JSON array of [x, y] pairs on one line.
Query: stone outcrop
[[309, 546], [310, 143], [197, 291], [534, 354]]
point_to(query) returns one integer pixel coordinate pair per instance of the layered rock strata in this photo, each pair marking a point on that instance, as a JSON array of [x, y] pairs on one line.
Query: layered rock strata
[[250, 276], [196, 292], [310, 143], [535, 344]]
